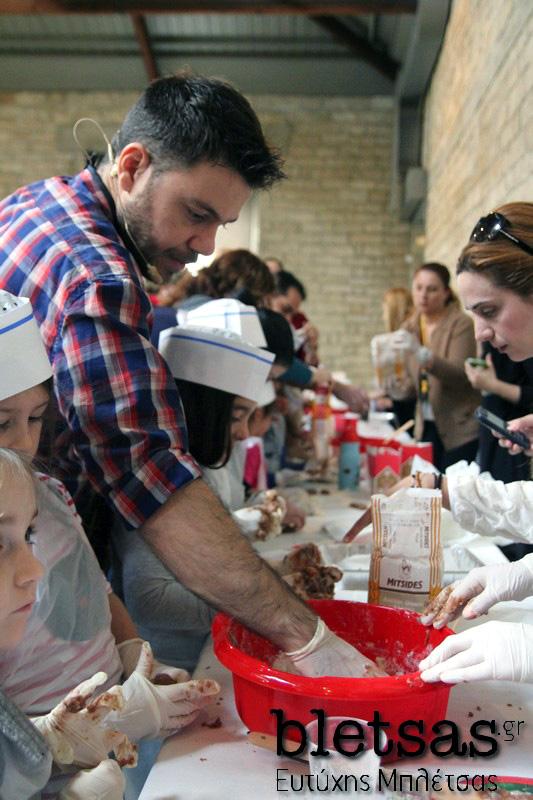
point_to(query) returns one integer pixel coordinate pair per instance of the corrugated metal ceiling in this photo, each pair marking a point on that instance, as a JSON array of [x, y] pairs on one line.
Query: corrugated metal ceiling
[[45, 52]]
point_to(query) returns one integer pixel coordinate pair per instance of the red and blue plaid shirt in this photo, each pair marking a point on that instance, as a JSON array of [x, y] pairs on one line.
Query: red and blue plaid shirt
[[59, 246]]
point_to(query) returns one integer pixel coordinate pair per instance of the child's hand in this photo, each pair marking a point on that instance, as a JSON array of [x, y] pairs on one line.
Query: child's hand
[[74, 729], [152, 710], [130, 652]]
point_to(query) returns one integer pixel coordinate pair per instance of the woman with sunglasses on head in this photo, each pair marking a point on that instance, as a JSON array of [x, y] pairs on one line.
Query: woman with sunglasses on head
[[443, 339], [495, 282]]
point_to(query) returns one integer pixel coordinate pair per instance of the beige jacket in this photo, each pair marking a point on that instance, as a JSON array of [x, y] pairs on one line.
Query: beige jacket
[[451, 396]]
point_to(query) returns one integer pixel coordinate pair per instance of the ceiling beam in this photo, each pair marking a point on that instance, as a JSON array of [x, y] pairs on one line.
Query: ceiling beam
[[308, 7], [358, 45], [257, 52], [145, 46]]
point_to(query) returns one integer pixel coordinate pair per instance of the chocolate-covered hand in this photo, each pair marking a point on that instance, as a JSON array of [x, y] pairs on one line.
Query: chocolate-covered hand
[[75, 732]]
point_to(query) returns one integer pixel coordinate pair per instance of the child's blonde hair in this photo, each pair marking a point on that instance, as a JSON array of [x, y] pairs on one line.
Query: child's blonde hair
[[15, 465], [397, 306]]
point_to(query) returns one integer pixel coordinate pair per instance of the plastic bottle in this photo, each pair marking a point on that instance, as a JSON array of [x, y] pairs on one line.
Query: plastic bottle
[[322, 426], [349, 458]]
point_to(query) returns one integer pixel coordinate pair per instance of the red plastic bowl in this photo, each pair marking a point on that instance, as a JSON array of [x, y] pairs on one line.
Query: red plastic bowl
[[391, 633]]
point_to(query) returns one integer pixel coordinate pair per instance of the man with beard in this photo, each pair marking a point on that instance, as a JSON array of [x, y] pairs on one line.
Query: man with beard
[[184, 162]]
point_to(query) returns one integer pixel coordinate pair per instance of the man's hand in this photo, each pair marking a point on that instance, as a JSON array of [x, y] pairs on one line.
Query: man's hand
[[151, 710], [355, 398], [130, 652], [524, 425], [479, 590], [328, 654], [74, 730], [104, 782], [493, 651]]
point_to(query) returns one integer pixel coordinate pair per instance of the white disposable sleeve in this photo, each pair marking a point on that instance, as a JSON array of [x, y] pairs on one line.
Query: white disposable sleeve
[[492, 508], [104, 782]]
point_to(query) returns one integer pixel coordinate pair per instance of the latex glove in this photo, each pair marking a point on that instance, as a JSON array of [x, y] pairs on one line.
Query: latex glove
[[74, 730], [294, 518], [104, 782], [492, 651], [479, 590], [327, 654], [424, 356], [262, 517], [151, 711], [130, 651], [404, 340]]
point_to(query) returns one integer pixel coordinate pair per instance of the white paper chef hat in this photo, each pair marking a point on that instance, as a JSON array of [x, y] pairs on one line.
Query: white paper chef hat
[[23, 359], [227, 313], [267, 396], [217, 358]]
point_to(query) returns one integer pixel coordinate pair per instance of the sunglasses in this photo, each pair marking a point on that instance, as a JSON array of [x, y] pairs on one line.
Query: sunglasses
[[493, 225]]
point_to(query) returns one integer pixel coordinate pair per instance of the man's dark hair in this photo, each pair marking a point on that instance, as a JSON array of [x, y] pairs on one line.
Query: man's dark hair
[[278, 336], [184, 119], [285, 280]]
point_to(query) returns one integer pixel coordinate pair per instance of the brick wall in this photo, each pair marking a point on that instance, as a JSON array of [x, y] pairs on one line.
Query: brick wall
[[329, 222], [478, 143]]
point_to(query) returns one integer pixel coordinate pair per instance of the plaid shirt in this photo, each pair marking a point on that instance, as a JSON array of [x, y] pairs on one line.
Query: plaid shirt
[[59, 246]]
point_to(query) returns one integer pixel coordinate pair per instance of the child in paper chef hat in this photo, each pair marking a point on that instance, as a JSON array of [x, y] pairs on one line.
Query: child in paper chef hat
[[220, 379], [68, 635], [251, 324]]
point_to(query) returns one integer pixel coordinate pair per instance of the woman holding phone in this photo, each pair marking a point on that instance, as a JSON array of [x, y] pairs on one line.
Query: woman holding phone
[[495, 282]]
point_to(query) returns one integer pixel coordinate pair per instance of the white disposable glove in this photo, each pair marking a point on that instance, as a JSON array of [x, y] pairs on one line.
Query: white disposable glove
[[104, 782], [424, 356], [327, 654], [151, 711], [74, 730], [294, 518], [492, 651], [479, 590], [404, 340], [130, 651]]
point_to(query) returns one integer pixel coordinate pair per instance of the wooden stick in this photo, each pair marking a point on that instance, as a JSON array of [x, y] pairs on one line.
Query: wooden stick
[[269, 742], [405, 427], [364, 520]]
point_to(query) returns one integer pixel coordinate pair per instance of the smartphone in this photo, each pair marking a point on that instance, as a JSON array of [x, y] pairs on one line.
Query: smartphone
[[499, 425], [477, 362]]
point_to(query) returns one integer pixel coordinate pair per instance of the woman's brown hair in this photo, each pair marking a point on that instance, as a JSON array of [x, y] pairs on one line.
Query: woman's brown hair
[[236, 273], [501, 261], [443, 274]]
